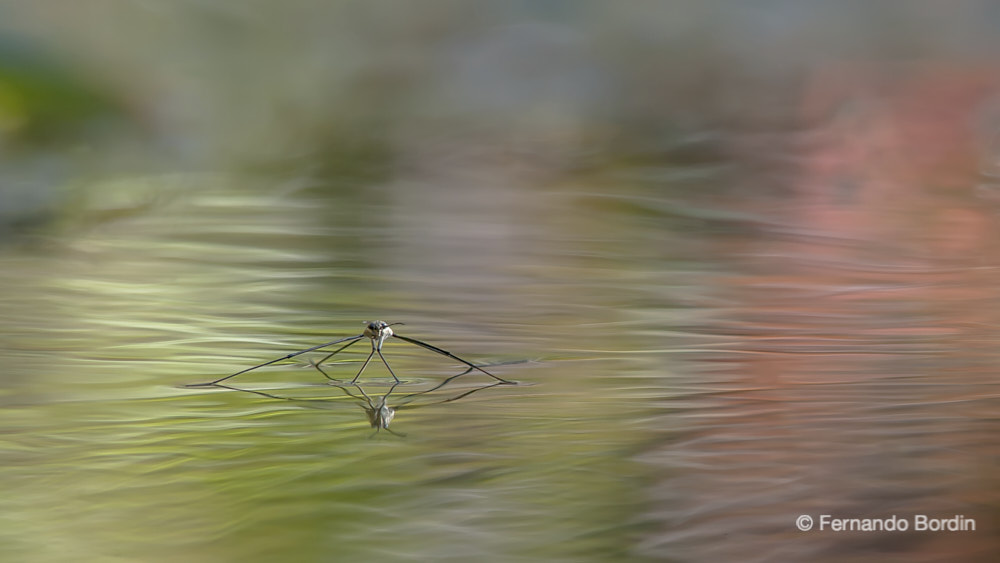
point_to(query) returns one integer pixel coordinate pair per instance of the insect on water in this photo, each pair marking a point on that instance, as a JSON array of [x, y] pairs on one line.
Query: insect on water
[[376, 331]]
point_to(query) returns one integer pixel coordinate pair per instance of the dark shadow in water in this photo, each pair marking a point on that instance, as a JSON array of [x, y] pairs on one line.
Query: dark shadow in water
[[379, 411]]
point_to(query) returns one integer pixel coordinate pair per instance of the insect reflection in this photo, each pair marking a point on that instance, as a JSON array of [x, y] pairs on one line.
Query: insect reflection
[[378, 409]]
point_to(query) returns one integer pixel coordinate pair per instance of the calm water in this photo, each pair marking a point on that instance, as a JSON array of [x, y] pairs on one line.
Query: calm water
[[698, 369]]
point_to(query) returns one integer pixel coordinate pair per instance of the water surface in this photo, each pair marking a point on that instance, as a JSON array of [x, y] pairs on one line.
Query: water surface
[[695, 374]]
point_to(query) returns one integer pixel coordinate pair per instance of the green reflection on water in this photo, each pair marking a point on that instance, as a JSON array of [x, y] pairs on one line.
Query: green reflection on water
[[108, 458]]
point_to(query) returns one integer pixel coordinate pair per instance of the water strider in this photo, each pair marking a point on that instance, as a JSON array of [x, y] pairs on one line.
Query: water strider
[[376, 331]]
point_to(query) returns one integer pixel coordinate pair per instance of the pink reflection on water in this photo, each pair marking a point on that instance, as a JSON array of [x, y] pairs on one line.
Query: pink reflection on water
[[860, 378]]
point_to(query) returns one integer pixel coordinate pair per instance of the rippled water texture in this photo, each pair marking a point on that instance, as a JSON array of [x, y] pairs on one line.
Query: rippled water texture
[[714, 333], [685, 379]]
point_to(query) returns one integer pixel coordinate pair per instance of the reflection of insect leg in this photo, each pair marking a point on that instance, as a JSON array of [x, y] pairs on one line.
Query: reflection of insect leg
[[467, 393], [255, 392], [448, 380], [406, 405], [435, 388], [366, 397]]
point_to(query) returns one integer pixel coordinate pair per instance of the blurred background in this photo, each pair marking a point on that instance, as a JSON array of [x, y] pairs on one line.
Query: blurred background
[[742, 257]]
